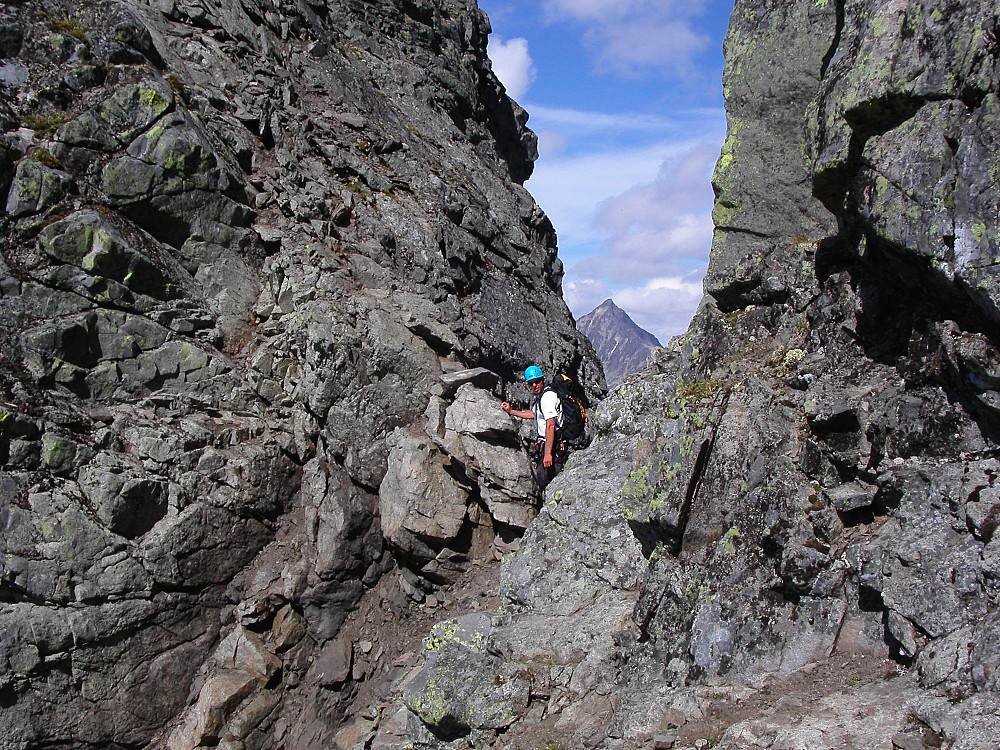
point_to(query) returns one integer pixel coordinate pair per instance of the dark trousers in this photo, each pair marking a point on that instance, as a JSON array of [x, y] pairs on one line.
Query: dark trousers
[[543, 476]]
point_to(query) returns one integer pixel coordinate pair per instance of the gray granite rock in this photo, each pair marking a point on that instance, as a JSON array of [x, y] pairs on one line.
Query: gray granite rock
[[244, 247], [266, 275], [36, 187]]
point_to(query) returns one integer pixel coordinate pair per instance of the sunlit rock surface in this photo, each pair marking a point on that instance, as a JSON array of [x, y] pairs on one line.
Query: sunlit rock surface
[[266, 271], [811, 467]]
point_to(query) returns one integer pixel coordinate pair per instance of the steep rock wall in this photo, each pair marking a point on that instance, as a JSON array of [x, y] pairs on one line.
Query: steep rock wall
[[801, 552], [262, 265], [835, 434]]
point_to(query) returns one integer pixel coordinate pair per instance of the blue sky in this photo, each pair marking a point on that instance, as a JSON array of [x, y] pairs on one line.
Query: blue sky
[[626, 99]]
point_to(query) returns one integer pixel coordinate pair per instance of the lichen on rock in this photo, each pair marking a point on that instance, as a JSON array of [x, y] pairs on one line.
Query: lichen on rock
[[258, 264]]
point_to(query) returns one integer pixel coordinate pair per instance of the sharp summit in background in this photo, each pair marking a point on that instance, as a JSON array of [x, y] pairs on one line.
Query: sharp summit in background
[[621, 345]]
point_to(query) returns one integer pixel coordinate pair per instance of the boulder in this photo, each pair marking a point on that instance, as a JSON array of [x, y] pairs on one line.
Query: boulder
[[421, 502], [462, 689], [333, 664], [36, 188], [88, 240], [130, 505], [131, 109], [489, 445]]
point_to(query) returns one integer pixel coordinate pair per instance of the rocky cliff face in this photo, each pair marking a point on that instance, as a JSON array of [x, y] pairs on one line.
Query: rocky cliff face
[[801, 550], [622, 346], [263, 268], [260, 265]]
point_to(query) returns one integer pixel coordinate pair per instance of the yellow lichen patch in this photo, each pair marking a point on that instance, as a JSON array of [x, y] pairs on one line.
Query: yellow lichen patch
[[431, 704], [449, 631], [728, 540]]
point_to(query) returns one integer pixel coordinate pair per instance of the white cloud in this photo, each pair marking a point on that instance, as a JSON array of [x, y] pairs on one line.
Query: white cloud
[[642, 207], [569, 188], [663, 226], [649, 241], [635, 36], [631, 47], [583, 295], [590, 121], [551, 143], [662, 306], [589, 10], [598, 11], [680, 248], [512, 64]]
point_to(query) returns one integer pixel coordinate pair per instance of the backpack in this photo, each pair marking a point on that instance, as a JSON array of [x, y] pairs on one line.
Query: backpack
[[574, 412]]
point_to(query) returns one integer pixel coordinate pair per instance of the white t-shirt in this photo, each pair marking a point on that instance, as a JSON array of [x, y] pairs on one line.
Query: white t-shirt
[[547, 407]]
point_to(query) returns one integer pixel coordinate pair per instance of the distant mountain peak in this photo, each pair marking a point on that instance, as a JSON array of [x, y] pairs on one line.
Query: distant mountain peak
[[621, 344]]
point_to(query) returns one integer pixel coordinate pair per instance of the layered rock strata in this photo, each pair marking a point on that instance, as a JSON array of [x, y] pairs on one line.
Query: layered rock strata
[[266, 269]]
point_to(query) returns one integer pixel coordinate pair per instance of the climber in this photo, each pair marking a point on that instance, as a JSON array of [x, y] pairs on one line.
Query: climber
[[549, 453]]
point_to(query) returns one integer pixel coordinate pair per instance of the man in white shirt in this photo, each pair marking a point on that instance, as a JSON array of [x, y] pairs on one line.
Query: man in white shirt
[[546, 410]]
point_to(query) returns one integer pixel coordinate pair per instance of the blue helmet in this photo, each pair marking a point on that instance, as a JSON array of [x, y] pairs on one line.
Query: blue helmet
[[533, 373]]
